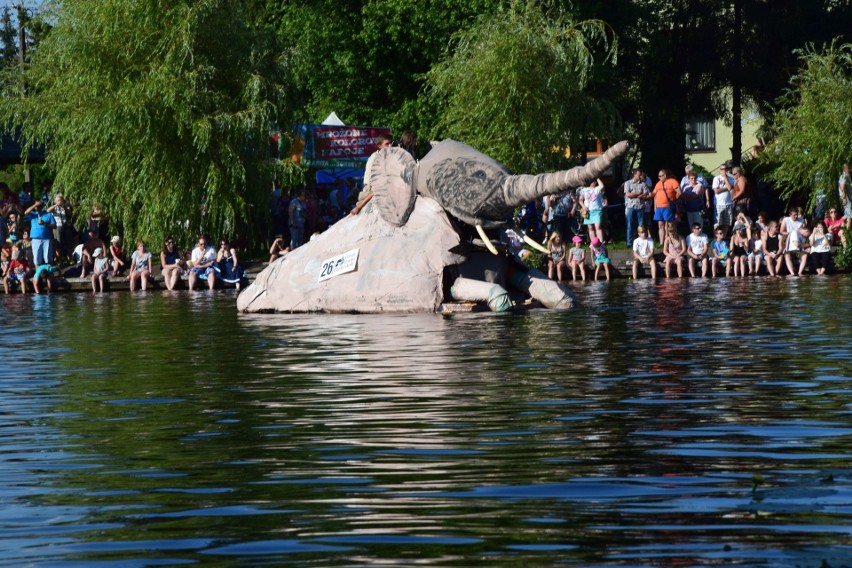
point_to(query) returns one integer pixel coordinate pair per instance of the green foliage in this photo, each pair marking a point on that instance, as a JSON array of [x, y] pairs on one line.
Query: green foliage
[[8, 38], [158, 110], [813, 128], [843, 257], [513, 86], [366, 59]]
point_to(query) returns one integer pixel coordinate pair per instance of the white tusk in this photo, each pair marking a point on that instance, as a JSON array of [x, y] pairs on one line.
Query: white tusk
[[536, 245], [488, 244]]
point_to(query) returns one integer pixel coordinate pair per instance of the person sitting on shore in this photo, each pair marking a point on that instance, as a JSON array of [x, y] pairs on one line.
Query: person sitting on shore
[[92, 242], [674, 249], [577, 258], [119, 260], [820, 240], [203, 258], [739, 252], [18, 269], [796, 245], [719, 249], [643, 253], [5, 259], [228, 265], [278, 249], [141, 266], [100, 270], [834, 224], [697, 250], [772, 249], [171, 263], [755, 253]]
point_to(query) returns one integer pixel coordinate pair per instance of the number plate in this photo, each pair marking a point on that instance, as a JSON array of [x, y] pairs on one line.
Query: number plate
[[340, 264]]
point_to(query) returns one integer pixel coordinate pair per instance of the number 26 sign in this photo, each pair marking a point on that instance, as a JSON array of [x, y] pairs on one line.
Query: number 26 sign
[[340, 264]]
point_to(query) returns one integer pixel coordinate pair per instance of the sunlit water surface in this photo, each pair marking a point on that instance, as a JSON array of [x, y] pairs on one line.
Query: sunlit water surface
[[677, 424]]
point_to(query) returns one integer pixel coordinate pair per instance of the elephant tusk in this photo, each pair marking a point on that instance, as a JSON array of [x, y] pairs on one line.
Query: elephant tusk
[[536, 245], [488, 244]]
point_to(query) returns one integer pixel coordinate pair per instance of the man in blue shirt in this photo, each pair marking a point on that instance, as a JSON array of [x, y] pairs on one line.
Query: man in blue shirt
[[42, 224]]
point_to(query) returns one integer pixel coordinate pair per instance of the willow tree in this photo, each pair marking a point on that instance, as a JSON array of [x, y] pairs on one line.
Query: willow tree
[[157, 110], [513, 85], [812, 130]]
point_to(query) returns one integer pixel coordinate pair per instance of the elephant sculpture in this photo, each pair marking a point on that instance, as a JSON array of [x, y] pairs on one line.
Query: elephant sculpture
[[421, 241]]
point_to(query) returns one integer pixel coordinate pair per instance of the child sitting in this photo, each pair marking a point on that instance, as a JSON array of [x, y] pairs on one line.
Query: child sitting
[[577, 258], [17, 273], [599, 254], [100, 271], [739, 251], [719, 250], [643, 253], [278, 249]]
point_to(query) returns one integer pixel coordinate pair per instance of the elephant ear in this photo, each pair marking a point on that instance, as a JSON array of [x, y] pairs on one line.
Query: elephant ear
[[392, 182]]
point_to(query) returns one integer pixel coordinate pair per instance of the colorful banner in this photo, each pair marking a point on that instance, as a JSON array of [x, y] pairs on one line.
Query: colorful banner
[[338, 146]]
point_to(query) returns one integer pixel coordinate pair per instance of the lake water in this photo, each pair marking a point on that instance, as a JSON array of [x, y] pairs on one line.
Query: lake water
[[679, 423]]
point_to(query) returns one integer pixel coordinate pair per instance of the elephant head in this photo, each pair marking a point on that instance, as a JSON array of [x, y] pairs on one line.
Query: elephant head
[[469, 185]]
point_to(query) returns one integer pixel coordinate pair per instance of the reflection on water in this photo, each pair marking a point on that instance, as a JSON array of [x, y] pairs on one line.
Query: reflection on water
[[676, 423]]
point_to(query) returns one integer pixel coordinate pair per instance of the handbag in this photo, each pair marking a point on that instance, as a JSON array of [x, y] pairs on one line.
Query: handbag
[[584, 212]]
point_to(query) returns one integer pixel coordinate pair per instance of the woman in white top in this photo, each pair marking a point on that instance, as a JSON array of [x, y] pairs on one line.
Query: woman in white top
[[820, 248], [140, 266]]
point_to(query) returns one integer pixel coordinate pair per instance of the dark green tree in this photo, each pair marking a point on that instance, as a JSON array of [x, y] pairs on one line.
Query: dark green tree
[[366, 59], [159, 111], [514, 85], [811, 131], [8, 39]]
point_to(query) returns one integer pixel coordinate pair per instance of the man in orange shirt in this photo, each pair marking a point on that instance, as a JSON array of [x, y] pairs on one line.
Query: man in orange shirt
[[665, 194]]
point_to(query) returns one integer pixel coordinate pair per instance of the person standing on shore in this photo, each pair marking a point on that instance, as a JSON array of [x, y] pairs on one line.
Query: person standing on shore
[[722, 186], [42, 224], [298, 216], [844, 188], [63, 234], [635, 195], [666, 194]]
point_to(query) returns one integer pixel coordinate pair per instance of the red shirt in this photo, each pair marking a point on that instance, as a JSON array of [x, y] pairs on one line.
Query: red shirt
[[21, 265]]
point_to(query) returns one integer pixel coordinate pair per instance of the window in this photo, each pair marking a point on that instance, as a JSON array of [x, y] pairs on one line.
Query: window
[[701, 133]]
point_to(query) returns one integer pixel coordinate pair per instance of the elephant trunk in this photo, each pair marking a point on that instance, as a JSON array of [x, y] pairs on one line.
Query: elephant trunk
[[520, 189]]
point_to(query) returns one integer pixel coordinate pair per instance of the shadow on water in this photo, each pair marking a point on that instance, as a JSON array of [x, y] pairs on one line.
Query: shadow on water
[[670, 423]]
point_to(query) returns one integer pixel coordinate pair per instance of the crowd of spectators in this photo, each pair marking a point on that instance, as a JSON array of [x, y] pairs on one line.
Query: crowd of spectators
[[745, 241], [39, 238]]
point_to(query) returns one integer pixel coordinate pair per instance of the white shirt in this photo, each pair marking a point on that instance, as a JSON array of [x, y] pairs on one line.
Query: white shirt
[[593, 197], [697, 243], [643, 247], [203, 257], [723, 199]]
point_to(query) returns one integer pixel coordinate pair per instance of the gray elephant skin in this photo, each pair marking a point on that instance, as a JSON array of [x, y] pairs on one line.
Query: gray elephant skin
[[416, 244]]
